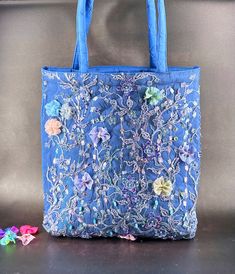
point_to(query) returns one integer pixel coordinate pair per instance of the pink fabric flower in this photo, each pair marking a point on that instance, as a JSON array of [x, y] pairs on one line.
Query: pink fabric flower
[[27, 229], [26, 239], [53, 127], [128, 237]]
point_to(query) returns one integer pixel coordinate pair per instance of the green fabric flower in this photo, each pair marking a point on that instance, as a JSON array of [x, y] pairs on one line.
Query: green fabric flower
[[154, 95], [9, 237]]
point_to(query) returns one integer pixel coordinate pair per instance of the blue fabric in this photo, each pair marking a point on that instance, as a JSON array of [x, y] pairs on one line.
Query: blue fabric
[[121, 145]]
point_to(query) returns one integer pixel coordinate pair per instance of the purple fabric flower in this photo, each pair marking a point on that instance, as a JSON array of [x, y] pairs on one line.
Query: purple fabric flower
[[98, 134], [14, 229], [2, 233], [83, 183], [186, 154]]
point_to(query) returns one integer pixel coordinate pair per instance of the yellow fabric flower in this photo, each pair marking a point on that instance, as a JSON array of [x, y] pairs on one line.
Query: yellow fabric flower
[[162, 187]]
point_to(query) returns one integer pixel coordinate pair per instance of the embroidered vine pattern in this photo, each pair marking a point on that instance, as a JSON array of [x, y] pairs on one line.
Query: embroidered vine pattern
[[134, 144]]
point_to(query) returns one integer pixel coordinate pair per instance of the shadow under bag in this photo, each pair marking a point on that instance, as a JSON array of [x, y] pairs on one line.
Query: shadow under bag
[[121, 145]]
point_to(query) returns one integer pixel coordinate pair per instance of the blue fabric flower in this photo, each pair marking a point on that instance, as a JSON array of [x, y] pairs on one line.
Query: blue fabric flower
[[53, 108]]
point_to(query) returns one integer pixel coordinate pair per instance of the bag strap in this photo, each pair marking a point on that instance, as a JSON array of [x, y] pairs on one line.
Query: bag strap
[[157, 38], [88, 18]]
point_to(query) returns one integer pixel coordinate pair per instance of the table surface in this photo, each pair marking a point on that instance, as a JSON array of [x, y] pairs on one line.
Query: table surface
[[212, 251]]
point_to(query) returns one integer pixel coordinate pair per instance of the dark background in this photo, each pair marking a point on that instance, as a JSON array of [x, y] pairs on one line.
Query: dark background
[[38, 33]]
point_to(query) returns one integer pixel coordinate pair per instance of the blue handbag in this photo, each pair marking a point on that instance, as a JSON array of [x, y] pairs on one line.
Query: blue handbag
[[121, 145]]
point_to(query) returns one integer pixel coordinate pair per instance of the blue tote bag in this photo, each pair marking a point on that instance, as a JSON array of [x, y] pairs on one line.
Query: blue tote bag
[[121, 145]]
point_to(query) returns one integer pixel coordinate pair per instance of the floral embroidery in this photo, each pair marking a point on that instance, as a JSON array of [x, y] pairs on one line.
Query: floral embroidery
[[117, 164], [62, 163], [150, 150], [98, 134], [66, 111], [128, 85], [53, 108], [162, 187], [53, 127], [153, 222], [154, 95], [86, 182]]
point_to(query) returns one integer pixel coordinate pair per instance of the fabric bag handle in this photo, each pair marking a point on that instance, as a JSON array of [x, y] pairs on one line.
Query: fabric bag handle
[[157, 36]]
